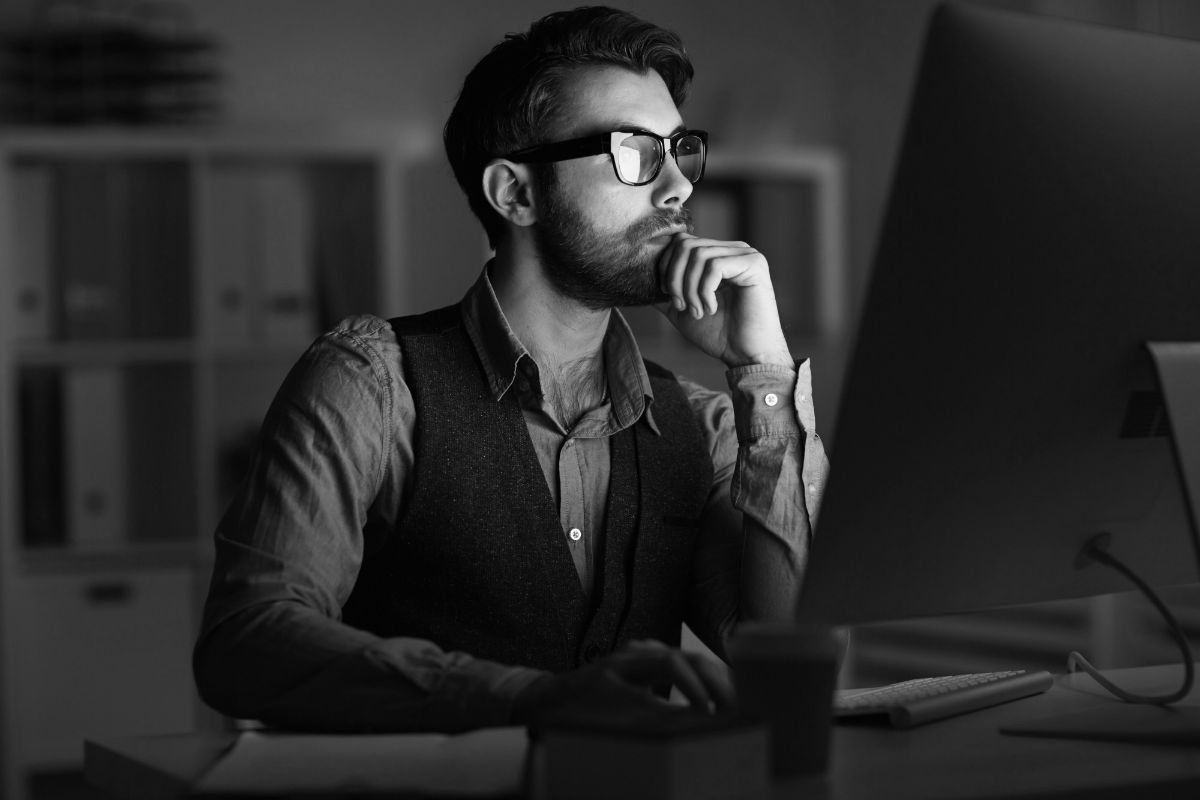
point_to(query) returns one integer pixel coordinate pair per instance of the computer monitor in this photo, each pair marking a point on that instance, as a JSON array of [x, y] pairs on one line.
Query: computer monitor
[[1000, 408]]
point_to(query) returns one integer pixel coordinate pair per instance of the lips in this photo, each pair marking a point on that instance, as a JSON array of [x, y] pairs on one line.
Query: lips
[[667, 233]]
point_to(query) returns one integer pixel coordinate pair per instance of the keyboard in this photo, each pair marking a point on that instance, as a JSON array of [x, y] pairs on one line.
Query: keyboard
[[922, 700]]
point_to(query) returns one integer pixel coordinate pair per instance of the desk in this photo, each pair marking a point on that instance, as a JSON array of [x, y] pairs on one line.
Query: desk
[[963, 757]]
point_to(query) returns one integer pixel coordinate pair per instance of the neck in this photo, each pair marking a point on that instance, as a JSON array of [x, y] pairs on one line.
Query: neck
[[564, 337], [552, 327], [573, 388]]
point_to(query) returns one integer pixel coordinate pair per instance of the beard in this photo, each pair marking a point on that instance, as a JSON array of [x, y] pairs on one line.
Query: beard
[[600, 269]]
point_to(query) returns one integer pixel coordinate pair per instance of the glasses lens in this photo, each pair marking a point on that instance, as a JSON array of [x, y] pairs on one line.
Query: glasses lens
[[689, 155], [638, 158]]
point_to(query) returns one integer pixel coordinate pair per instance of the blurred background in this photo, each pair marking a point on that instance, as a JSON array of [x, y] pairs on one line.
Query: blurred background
[[192, 190]]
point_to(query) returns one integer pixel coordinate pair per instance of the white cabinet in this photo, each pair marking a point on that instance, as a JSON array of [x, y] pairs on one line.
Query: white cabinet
[[104, 653]]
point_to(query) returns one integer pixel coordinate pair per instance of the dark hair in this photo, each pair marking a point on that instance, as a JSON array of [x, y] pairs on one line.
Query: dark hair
[[513, 93]]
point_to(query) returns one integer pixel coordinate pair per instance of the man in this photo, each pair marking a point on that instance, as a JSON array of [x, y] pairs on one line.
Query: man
[[464, 518]]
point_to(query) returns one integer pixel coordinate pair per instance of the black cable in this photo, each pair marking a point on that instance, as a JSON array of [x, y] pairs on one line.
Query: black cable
[[1076, 661]]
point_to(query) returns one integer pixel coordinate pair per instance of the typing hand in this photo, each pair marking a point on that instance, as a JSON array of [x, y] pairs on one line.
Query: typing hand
[[722, 300], [626, 679]]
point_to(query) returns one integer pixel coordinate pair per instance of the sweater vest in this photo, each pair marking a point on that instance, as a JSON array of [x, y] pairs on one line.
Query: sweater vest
[[478, 561]]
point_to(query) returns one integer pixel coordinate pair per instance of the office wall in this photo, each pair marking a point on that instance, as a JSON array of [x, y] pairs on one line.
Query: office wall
[[762, 66], [876, 45], [835, 72]]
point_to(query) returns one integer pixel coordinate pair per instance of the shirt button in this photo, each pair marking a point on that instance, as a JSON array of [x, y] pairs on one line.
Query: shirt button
[[575, 534], [771, 399], [812, 488]]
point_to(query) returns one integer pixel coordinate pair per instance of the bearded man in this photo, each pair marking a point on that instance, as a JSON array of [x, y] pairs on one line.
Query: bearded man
[[467, 517]]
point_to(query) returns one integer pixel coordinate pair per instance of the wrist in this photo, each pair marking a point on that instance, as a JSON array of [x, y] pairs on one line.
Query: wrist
[[776, 358], [533, 698]]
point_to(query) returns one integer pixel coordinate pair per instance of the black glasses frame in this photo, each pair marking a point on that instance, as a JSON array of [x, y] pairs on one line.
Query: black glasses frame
[[609, 143]]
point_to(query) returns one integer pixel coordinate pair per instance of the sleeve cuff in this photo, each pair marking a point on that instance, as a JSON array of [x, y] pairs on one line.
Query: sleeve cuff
[[769, 400]]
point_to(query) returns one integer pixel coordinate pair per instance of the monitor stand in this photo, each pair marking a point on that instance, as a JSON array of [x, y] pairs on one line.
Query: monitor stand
[[1178, 367]]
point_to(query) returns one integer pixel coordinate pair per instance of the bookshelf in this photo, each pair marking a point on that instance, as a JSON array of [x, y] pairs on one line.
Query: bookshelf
[[156, 287]]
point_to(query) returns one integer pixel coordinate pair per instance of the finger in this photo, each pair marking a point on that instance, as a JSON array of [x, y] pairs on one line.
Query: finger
[[655, 664], [680, 273], [653, 645], [697, 264], [710, 280], [671, 269], [689, 681], [609, 691], [718, 680], [708, 266]]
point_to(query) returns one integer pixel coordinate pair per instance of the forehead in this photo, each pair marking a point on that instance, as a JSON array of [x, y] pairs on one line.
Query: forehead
[[599, 99]]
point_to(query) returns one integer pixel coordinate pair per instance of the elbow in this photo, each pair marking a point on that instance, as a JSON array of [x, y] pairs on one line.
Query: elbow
[[215, 672]]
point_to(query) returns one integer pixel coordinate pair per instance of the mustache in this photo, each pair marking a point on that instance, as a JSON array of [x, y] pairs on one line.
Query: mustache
[[656, 223]]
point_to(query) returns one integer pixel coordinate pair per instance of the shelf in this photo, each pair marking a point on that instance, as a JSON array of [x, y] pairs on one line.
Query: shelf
[[246, 141], [112, 352], [55, 560]]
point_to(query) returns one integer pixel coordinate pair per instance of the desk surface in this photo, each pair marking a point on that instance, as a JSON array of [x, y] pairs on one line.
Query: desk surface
[[962, 757]]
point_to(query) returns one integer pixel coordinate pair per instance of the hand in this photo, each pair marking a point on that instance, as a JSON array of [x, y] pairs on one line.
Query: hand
[[722, 300], [626, 678]]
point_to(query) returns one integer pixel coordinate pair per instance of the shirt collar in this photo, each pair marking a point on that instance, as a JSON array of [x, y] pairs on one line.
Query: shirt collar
[[502, 355]]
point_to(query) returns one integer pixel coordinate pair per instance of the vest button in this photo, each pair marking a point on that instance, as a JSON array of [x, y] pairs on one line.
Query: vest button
[[592, 652]]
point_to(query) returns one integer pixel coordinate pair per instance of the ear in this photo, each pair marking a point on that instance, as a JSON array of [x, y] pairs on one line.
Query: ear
[[506, 186]]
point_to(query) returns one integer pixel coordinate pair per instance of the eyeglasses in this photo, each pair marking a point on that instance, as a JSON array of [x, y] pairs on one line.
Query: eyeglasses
[[637, 155]]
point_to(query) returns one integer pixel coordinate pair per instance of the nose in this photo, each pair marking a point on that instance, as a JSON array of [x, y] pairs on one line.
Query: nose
[[671, 188]]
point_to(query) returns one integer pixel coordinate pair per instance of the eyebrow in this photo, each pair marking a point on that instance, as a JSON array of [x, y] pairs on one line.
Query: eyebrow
[[680, 128]]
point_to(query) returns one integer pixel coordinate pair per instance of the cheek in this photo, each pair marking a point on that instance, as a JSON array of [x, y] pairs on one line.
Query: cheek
[[599, 200]]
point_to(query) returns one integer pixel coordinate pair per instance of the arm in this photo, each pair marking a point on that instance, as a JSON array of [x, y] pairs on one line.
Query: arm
[[327, 482], [769, 463], [769, 470]]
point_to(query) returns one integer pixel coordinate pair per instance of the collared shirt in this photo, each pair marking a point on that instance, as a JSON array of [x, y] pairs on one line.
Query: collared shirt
[[332, 475]]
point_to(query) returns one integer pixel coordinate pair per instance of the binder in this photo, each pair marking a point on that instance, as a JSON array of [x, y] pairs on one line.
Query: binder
[[91, 205], [229, 297], [346, 241], [95, 453], [156, 244], [32, 230], [284, 245], [39, 407]]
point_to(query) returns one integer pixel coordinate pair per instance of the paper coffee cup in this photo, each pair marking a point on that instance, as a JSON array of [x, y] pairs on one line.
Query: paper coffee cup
[[785, 675]]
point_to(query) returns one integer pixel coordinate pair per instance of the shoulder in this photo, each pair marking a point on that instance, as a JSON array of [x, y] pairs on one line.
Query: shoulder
[[358, 348], [362, 331]]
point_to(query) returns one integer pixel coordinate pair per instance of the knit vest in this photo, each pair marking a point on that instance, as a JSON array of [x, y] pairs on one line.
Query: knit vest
[[478, 561]]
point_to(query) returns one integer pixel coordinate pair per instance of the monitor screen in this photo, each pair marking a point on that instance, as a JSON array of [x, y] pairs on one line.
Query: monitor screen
[[1000, 406]]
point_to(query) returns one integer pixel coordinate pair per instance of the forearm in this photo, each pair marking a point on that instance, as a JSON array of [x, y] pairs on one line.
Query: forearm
[[758, 525], [292, 666], [775, 429]]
